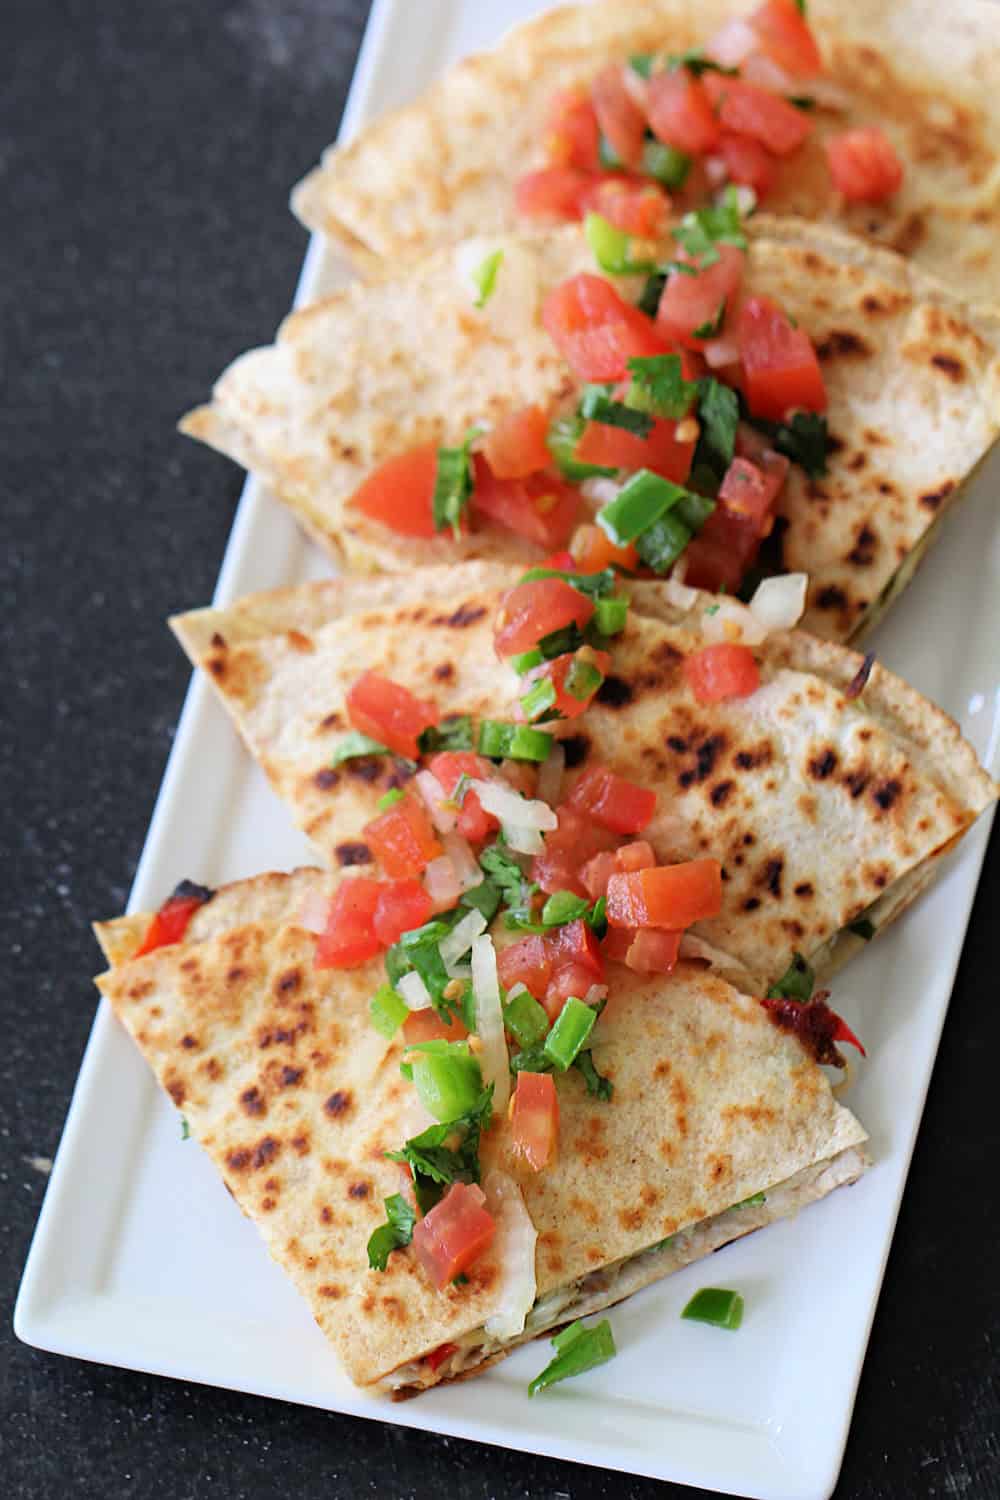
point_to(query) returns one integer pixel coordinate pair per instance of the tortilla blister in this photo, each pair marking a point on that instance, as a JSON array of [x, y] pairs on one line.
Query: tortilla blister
[[444, 168], [295, 1097], [818, 807], [912, 375]]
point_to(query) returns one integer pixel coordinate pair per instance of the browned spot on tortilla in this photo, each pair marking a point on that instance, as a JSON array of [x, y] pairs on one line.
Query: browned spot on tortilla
[[756, 757], [668, 1150], [213, 1068], [824, 764], [706, 753], [218, 641], [238, 1161], [338, 1103], [188, 1041], [876, 439], [751, 903], [286, 984], [831, 597], [299, 641], [464, 615], [770, 875], [755, 1114], [253, 1102], [177, 1091], [720, 1167], [575, 748], [267, 1204], [950, 366], [614, 692], [804, 890], [932, 499], [631, 1218], [359, 1190], [910, 234], [863, 551], [332, 721], [842, 344], [887, 793], [265, 1151], [326, 1214], [291, 1076], [444, 671], [857, 462], [326, 778], [677, 744], [329, 1289], [719, 794], [365, 767], [353, 854]]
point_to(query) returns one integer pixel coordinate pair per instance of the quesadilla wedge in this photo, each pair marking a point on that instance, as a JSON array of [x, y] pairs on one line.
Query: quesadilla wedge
[[824, 809], [356, 417], [296, 1098], [926, 79]]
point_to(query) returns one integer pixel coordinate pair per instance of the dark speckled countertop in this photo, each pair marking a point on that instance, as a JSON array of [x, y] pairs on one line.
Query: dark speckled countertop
[[145, 157]]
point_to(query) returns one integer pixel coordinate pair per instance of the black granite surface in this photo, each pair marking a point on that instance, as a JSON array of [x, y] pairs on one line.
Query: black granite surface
[[145, 156]]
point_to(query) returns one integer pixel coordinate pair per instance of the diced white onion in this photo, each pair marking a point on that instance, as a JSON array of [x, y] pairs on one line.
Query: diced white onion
[[517, 989], [828, 95], [729, 620], [735, 41], [459, 940], [599, 489], [778, 603], [510, 807], [463, 861], [441, 883], [414, 993], [720, 352], [514, 1247], [767, 74], [493, 1057], [746, 199], [444, 814], [596, 994], [312, 914], [679, 595], [523, 840], [550, 775], [635, 85]]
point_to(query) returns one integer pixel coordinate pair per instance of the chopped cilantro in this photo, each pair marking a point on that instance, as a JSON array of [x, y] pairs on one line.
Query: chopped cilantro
[[711, 328], [355, 744], [718, 418], [435, 1164], [658, 386], [796, 983], [695, 61], [454, 733], [597, 1085], [185, 1129], [396, 1232], [702, 230], [453, 484]]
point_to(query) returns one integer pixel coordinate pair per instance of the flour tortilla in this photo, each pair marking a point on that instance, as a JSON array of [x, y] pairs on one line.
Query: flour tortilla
[[818, 808], [444, 168], [295, 1097], [913, 379]]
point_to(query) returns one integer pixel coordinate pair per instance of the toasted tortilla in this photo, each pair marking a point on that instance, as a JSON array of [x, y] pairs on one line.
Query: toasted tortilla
[[445, 167], [295, 1098], [913, 379], [818, 807]]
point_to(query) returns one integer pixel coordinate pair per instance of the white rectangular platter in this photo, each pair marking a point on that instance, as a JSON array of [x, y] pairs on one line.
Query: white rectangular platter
[[150, 1265]]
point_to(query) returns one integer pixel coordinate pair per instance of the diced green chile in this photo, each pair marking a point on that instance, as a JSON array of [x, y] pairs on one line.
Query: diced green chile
[[572, 1028], [500, 741], [578, 1349], [563, 436], [525, 1019], [714, 1305], [563, 907], [582, 680], [665, 163], [387, 1011]]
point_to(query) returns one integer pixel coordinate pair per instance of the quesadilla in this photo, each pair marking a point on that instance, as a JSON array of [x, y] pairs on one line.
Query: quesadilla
[[296, 1098], [378, 387], [927, 79], [827, 811]]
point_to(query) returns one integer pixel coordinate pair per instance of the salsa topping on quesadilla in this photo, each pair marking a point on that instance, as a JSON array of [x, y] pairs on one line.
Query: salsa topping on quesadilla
[[794, 1006], [691, 408], [688, 122], [171, 921]]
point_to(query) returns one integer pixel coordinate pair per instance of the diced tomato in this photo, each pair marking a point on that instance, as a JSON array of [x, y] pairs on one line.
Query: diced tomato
[[680, 113], [595, 330], [576, 945], [568, 847], [473, 823], [635, 207], [785, 36], [690, 302], [552, 193], [527, 962], [751, 490], [557, 671], [427, 1026], [653, 950], [622, 122], [748, 162], [454, 1233], [170, 923], [572, 134], [780, 369], [748, 110], [534, 1120], [612, 801], [349, 936], [569, 979], [402, 838], [636, 856], [390, 713], [535, 609], [671, 896], [728, 543], [401, 906], [660, 450], [864, 165], [515, 446], [562, 562], [616, 942], [542, 508], [723, 670], [593, 550], [596, 873], [399, 492], [438, 1356]]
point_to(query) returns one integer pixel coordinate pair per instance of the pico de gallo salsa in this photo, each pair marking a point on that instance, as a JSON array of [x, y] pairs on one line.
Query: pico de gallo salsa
[[672, 455]]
